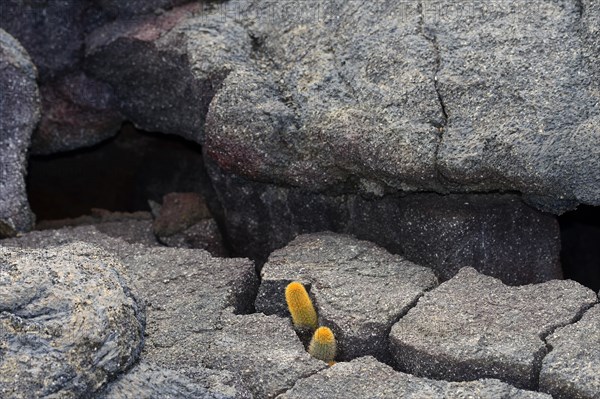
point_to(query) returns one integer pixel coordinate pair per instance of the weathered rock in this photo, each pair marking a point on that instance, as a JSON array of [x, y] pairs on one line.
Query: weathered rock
[[78, 112], [203, 235], [185, 290], [496, 234], [572, 368], [334, 109], [187, 53], [265, 350], [360, 290], [51, 31], [68, 321], [152, 382], [519, 98], [131, 227], [367, 378], [19, 113], [473, 326]]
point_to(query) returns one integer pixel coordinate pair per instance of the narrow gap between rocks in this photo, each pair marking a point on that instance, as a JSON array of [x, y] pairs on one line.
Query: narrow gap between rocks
[[580, 252]]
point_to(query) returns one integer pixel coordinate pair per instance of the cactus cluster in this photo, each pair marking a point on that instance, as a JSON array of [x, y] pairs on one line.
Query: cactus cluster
[[322, 345]]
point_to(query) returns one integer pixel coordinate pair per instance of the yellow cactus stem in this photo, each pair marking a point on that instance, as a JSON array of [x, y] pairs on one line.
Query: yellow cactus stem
[[323, 346], [300, 306]]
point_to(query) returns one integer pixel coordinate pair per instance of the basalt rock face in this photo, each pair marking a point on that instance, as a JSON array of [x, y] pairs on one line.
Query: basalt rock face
[[498, 235], [68, 321], [473, 326], [19, 114]]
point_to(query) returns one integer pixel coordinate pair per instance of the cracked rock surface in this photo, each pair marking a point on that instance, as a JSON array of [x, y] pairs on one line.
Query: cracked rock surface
[[360, 289], [19, 113], [149, 381], [372, 96], [265, 350], [68, 321], [367, 378], [572, 369], [185, 290], [473, 326]]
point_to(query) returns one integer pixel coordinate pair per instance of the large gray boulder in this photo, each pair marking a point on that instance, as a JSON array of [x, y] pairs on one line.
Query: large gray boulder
[[265, 350], [19, 114], [188, 54], [572, 369], [69, 322], [473, 326], [366, 378], [359, 289]]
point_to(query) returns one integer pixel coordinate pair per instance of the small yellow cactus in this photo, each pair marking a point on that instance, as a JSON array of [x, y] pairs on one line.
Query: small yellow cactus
[[300, 306], [323, 346]]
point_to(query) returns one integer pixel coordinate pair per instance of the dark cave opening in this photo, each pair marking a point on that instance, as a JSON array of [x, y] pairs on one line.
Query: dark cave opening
[[580, 252], [121, 175]]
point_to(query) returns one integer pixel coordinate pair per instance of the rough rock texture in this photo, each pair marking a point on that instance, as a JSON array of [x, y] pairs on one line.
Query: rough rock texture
[[128, 8], [187, 54], [572, 369], [68, 321], [131, 227], [367, 378], [496, 234], [51, 31], [473, 326], [265, 350], [360, 290], [416, 96], [153, 382], [185, 290], [520, 100], [78, 112], [19, 113]]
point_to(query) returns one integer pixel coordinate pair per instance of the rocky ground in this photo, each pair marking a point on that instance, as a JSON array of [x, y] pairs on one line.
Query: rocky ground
[[406, 161]]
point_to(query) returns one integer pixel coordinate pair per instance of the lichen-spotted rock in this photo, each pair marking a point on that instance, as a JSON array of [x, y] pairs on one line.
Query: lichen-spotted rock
[[68, 321]]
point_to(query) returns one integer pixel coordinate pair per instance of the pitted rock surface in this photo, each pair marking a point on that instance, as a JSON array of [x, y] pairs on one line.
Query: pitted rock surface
[[68, 321], [360, 289], [149, 381], [366, 378], [265, 350], [572, 369], [19, 113], [473, 326]]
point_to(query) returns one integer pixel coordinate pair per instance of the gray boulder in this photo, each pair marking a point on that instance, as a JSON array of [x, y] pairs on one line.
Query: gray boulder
[[265, 350], [186, 50], [78, 112], [19, 114], [473, 326], [367, 378], [69, 322], [185, 290], [359, 289], [572, 368], [149, 381]]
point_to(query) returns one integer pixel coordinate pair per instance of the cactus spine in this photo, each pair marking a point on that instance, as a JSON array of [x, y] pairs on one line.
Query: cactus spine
[[323, 346], [300, 306]]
